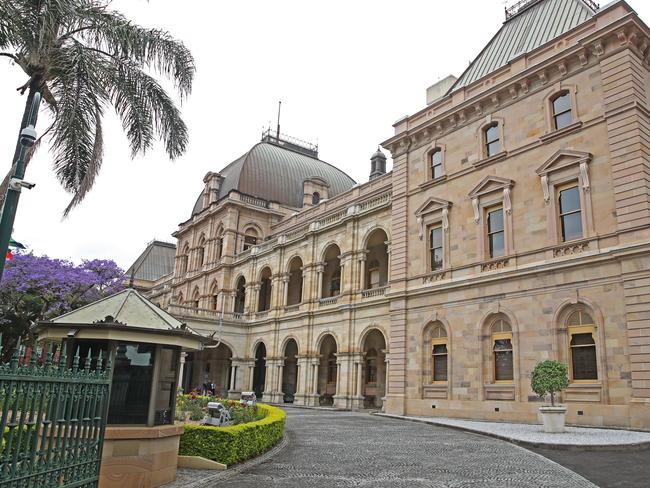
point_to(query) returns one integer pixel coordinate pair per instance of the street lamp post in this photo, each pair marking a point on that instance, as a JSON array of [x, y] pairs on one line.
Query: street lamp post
[[16, 183]]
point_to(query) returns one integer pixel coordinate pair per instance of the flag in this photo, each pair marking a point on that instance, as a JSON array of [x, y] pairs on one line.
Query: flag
[[9, 256]]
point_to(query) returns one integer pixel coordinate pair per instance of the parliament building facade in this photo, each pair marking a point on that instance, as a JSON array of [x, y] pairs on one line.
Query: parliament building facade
[[513, 228]]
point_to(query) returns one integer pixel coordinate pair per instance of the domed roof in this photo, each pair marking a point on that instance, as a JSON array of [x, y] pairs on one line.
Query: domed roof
[[277, 174]]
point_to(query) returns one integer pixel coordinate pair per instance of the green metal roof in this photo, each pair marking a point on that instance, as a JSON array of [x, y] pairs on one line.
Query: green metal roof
[[156, 261], [538, 22]]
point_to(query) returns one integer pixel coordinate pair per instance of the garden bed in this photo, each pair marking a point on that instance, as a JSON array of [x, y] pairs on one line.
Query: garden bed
[[235, 443]]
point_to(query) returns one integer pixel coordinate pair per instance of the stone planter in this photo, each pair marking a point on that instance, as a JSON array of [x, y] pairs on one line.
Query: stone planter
[[554, 418]]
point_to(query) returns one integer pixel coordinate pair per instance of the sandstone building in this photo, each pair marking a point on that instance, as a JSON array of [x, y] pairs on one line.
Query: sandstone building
[[514, 227]]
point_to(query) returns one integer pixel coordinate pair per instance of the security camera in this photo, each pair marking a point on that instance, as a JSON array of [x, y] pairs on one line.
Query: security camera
[[17, 184], [28, 136]]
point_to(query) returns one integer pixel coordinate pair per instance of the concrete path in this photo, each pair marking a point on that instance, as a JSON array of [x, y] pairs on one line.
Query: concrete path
[[341, 449], [533, 435]]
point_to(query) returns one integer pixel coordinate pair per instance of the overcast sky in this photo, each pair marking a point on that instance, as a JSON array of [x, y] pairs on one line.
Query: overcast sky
[[345, 72]]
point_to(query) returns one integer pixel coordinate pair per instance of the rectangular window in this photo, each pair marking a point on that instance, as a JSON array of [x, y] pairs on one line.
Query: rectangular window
[[562, 111], [435, 248], [436, 164], [570, 214], [249, 241], [496, 234], [440, 362], [492, 141], [503, 370], [583, 357], [131, 387]]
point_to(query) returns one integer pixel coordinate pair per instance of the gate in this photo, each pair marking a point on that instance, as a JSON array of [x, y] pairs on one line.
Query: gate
[[52, 420]]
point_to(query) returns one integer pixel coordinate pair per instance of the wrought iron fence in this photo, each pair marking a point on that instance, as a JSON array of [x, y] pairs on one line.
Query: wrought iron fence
[[53, 419]]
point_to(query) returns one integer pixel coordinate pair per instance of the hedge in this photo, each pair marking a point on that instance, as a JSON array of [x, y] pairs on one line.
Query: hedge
[[235, 443]]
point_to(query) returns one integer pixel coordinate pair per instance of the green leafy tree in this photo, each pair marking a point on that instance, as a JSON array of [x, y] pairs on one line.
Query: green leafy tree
[[84, 57], [549, 377]]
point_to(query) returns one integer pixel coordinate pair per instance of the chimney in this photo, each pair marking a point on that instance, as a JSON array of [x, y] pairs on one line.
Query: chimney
[[212, 184], [377, 164]]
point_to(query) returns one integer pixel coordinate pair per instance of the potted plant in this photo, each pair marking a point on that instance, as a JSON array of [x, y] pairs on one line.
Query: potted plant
[[551, 377]]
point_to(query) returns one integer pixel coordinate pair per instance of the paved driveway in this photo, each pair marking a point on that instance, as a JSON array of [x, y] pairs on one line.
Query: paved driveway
[[332, 449]]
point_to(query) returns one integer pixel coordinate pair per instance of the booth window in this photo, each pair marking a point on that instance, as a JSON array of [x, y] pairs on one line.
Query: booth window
[[166, 395], [131, 387]]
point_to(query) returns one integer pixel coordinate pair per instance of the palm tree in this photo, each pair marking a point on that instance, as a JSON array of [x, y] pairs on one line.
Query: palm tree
[[84, 57]]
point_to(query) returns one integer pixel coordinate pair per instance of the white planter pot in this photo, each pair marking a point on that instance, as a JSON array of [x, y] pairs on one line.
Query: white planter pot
[[554, 418]]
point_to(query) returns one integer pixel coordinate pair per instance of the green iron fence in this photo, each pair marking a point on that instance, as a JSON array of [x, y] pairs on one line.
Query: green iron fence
[[53, 419]]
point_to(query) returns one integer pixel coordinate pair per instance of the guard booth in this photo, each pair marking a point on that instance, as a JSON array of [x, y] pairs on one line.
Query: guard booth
[[145, 343]]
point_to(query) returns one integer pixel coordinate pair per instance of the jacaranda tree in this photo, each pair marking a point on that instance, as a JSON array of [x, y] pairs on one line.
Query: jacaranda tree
[[84, 57], [39, 287]]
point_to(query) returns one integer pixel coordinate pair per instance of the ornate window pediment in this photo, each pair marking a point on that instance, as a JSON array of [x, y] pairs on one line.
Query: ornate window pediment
[[431, 206], [569, 160], [491, 184]]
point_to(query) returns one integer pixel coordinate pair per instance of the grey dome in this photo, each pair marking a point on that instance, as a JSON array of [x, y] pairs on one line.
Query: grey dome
[[276, 174]]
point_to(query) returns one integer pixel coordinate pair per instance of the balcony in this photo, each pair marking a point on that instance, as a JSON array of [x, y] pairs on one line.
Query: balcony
[[324, 302], [374, 292], [203, 313]]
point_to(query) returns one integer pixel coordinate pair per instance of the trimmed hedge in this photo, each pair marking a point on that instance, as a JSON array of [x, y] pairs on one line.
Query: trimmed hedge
[[235, 443]]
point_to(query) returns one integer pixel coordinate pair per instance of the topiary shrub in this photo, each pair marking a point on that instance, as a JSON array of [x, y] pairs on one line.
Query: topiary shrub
[[549, 377], [236, 443]]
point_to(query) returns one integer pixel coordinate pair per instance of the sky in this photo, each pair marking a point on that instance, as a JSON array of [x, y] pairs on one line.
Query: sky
[[344, 71]]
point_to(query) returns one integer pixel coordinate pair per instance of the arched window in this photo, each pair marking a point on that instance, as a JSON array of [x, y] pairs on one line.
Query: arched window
[[371, 366], [294, 293], [582, 347], [196, 299], [184, 258], [214, 297], [202, 252], [315, 198], [562, 116], [439, 355], [331, 280], [435, 164], [376, 273], [250, 239], [492, 139], [264, 302], [180, 299], [240, 295], [219, 243], [502, 351]]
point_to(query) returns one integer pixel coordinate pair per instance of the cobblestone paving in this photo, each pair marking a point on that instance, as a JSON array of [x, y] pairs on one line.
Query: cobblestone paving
[[343, 449]]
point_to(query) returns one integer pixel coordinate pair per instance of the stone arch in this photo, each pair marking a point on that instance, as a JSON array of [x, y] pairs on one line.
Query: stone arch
[[331, 279], [376, 267], [240, 295], [213, 295], [295, 282], [252, 235], [559, 324], [265, 292], [184, 258], [436, 332], [289, 369], [203, 249], [487, 350], [371, 369], [321, 337], [196, 297], [328, 368], [259, 371], [209, 370]]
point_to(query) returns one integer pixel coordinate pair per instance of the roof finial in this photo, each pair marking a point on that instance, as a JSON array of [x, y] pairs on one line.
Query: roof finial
[[277, 132]]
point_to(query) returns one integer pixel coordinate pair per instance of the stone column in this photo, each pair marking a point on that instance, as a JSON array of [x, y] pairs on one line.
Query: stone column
[[362, 268], [251, 376], [319, 281], [358, 397], [302, 385], [305, 282], [285, 284], [388, 255], [315, 368], [181, 370], [280, 375]]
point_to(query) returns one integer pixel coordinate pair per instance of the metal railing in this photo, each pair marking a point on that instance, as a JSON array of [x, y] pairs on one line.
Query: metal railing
[[52, 419]]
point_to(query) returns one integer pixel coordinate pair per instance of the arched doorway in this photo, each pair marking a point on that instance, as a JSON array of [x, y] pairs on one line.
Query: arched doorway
[[374, 370], [259, 372], [332, 272], [208, 371], [376, 274], [290, 371], [264, 302], [327, 371], [240, 295], [294, 294]]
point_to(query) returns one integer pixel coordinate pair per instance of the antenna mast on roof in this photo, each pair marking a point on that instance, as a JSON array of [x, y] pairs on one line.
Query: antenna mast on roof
[[277, 131]]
